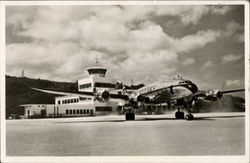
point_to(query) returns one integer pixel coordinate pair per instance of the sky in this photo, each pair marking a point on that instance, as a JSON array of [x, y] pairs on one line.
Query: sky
[[202, 43]]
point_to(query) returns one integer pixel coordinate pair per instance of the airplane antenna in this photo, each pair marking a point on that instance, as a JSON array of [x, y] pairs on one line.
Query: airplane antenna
[[22, 74], [96, 61]]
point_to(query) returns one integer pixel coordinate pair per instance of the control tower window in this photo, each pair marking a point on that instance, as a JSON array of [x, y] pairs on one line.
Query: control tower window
[[82, 86], [105, 85], [97, 71]]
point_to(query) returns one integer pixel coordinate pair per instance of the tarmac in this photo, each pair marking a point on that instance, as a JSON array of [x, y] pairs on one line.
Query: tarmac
[[149, 135]]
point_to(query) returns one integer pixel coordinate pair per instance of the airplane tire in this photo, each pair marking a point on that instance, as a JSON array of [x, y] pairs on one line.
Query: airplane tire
[[129, 116], [179, 115], [182, 115], [132, 116], [189, 117]]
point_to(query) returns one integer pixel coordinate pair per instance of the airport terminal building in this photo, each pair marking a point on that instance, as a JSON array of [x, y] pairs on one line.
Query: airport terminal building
[[75, 105]]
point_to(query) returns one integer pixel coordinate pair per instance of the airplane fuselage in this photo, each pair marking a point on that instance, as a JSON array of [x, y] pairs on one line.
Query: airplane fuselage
[[160, 92]]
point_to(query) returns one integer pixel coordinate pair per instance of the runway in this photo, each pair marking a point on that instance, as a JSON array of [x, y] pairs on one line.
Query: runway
[[148, 135]]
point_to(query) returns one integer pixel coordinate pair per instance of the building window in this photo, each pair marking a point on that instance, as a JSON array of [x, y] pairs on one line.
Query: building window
[[74, 111], [72, 100], [103, 108], [77, 111], [59, 102], [82, 86], [67, 111], [84, 111], [81, 111], [105, 85], [87, 111], [70, 111]]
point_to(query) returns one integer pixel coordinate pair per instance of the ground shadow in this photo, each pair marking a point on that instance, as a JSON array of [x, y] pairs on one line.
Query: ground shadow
[[207, 118]]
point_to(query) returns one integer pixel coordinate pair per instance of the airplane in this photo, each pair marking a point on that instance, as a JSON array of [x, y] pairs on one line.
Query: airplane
[[181, 92]]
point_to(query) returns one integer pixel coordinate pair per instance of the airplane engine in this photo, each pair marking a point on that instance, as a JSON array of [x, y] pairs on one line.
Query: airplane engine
[[143, 99], [102, 96], [213, 95]]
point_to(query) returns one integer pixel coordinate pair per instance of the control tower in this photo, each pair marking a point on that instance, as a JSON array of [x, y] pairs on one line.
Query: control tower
[[97, 79], [97, 71]]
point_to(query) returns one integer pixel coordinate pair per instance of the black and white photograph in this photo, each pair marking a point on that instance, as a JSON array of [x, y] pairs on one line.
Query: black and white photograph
[[147, 81]]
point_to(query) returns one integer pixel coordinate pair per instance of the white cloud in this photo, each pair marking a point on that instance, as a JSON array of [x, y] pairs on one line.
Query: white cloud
[[231, 58], [195, 41], [207, 64], [221, 10], [188, 61], [125, 37], [234, 31], [234, 84]]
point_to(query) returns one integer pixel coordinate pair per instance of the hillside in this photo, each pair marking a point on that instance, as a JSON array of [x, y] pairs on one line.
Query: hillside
[[18, 92]]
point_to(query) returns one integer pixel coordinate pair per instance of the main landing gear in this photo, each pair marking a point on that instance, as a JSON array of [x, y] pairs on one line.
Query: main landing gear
[[129, 115], [180, 115]]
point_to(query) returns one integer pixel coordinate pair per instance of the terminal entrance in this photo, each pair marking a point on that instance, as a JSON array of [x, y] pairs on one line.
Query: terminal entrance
[[43, 113]]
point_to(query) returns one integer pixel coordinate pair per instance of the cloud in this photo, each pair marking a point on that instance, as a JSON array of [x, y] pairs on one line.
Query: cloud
[[231, 58], [207, 64], [191, 14], [188, 61], [234, 31], [234, 84], [127, 39], [195, 41]]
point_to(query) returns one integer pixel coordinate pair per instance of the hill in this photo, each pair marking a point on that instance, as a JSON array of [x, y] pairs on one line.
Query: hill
[[18, 92]]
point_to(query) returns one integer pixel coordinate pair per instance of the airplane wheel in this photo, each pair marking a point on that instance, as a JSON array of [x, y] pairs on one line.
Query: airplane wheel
[[132, 116], [189, 117], [182, 115], [179, 115], [129, 116]]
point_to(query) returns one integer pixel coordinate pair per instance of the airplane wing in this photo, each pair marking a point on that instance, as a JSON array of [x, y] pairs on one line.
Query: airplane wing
[[65, 93], [213, 95], [103, 94]]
